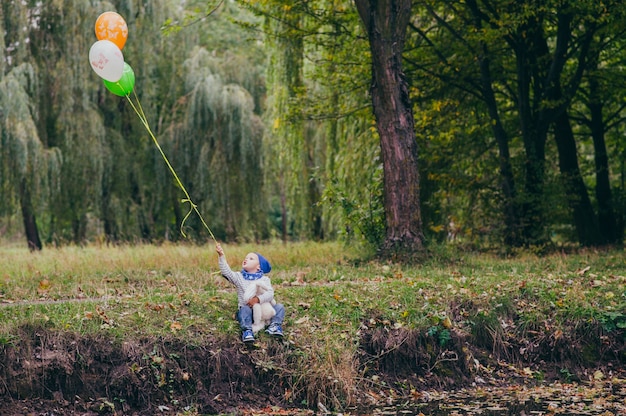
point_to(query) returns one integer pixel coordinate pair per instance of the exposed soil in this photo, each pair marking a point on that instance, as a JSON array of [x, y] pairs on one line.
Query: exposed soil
[[56, 373]]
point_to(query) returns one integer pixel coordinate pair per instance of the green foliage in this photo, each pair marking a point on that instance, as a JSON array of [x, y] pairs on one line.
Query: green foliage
[[25, 159], [363, 218], [230, 142], [442, 335], [463, 58], [280, 90], [612, 321]]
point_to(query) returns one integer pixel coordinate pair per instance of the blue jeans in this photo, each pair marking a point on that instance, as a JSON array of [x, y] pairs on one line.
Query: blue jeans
[[244, 316]]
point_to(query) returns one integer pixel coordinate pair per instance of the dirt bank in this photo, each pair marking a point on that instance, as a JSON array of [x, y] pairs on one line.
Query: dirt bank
[[51, 372]]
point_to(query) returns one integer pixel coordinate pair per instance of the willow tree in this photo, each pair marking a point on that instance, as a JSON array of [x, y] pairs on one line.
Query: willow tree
[[138, 199], [28, 168], [386, 23], [285, 138], [215, 143], [61, 34], [336, 106]]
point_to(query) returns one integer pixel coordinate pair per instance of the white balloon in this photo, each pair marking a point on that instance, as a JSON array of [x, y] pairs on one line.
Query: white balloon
[[107, 60]]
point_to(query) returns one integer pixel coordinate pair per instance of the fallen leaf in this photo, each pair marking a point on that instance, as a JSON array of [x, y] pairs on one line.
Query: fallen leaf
[[302, 320]]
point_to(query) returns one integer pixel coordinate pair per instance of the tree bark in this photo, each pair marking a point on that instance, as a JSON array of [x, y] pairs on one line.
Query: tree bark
[[28, 216], [386, 23], [529, 48], [575, 190], [511, 211], [607, 223]]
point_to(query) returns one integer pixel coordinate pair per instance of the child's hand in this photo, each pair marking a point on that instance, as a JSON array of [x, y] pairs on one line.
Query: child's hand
[[219, 249]]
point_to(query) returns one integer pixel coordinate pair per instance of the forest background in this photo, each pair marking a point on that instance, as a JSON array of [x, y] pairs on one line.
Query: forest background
[[264, 109]]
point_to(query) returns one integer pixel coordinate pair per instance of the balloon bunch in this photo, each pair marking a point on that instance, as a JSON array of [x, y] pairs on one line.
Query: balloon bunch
[[106, 56], [107, 60]]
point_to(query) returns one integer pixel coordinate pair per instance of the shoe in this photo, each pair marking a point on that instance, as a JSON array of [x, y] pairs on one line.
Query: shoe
[[275, 329], [247, 336]]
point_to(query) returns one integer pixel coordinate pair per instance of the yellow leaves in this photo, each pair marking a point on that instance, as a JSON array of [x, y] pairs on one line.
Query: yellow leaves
[[598, 375], [44, 284], [438, 105], [176, 326], [437, 228], [43, 287]]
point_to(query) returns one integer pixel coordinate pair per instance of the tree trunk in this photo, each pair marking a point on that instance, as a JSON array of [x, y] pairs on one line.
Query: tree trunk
[[386, 23], [507, 184], [534, 128], [511, 232], [111, 231], [575, 190], [607, 222], [283, 211], [28, 215]]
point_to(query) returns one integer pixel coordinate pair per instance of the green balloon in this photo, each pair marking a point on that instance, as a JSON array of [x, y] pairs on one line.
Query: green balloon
[[125, 85]]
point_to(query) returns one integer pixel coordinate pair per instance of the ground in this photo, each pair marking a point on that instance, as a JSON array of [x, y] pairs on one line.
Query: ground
[[55, 373]]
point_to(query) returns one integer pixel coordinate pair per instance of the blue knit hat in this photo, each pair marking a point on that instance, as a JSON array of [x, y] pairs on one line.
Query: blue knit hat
[[265, 265]]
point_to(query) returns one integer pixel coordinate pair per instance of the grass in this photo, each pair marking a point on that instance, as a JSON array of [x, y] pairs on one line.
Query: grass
[[172, 288], [332, 293]]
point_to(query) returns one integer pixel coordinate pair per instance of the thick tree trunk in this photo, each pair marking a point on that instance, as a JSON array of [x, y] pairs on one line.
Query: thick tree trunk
[[575, 190], [28, 215], [386, 23]]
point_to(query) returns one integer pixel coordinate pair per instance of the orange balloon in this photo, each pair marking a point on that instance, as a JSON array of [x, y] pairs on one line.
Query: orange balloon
[[111, 26]]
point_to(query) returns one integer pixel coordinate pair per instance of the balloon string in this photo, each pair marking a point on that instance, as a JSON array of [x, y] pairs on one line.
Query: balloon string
[[192, 206]]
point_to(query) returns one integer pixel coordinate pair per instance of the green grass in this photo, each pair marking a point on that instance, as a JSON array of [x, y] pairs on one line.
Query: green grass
[[177, 289], [157, 285]]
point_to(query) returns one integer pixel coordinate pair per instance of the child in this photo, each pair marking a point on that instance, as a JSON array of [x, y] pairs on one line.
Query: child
[[255, 268]]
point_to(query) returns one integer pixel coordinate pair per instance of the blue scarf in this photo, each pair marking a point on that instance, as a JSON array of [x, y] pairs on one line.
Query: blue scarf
[[251, 276]]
